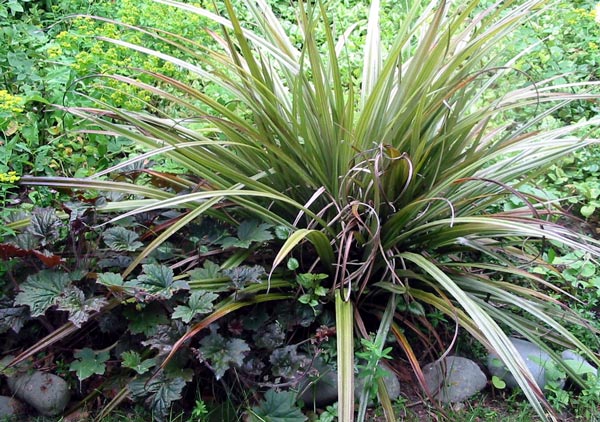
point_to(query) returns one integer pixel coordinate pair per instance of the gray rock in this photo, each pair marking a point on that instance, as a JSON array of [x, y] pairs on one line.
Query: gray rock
[[48, 394], [10, 408], [323, 391], [534, 357], [578, 363], [455, 379]]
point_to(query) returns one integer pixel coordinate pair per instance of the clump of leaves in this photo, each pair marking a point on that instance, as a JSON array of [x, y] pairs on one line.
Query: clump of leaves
[[248, 232], [314, 291], [156, 282], [11, 318], [132, 360], [158, 391], [370, 370], [222, 353], [49, 288], [243, 275], [287, 363]]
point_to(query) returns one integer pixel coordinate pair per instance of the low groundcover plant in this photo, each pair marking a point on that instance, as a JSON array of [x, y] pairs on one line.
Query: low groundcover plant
[[389, 173]]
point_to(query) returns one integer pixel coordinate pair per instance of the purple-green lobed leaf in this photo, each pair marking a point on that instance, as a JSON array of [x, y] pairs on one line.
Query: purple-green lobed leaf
[[73, 301], [162, 391], [121, 239], [45, 225], [223, 353]]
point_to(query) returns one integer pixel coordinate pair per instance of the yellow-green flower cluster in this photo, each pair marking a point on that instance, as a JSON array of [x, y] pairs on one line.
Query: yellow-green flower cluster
[[11, 103], [54, 51], [83, 61], [10, 177], [126, 95], [66, 40], [86, 26], [585, 14], [132, 12]]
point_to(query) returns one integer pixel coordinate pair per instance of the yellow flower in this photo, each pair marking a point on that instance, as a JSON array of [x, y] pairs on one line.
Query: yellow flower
[[9, 102], [10, 177]]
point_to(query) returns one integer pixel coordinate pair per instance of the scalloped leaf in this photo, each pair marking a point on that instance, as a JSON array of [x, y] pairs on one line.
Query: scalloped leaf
[[110, 280], [44, 225], [278, 407], [121, 239], [209, 271], [41, 290], [165, 336], [27, 241], [88, 363], [200, 302], [145, 320], [253, 231]]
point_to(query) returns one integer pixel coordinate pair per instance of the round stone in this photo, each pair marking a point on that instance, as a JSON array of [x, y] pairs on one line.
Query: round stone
[[536, 360], [47, 393], [454, 379]]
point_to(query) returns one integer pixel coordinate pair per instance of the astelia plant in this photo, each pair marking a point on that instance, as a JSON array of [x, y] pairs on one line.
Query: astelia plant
[[394, 178]]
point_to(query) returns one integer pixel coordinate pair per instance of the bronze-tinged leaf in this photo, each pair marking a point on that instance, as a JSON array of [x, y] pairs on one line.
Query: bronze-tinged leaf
[[8, 251], [166, 180], [48, 259]]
